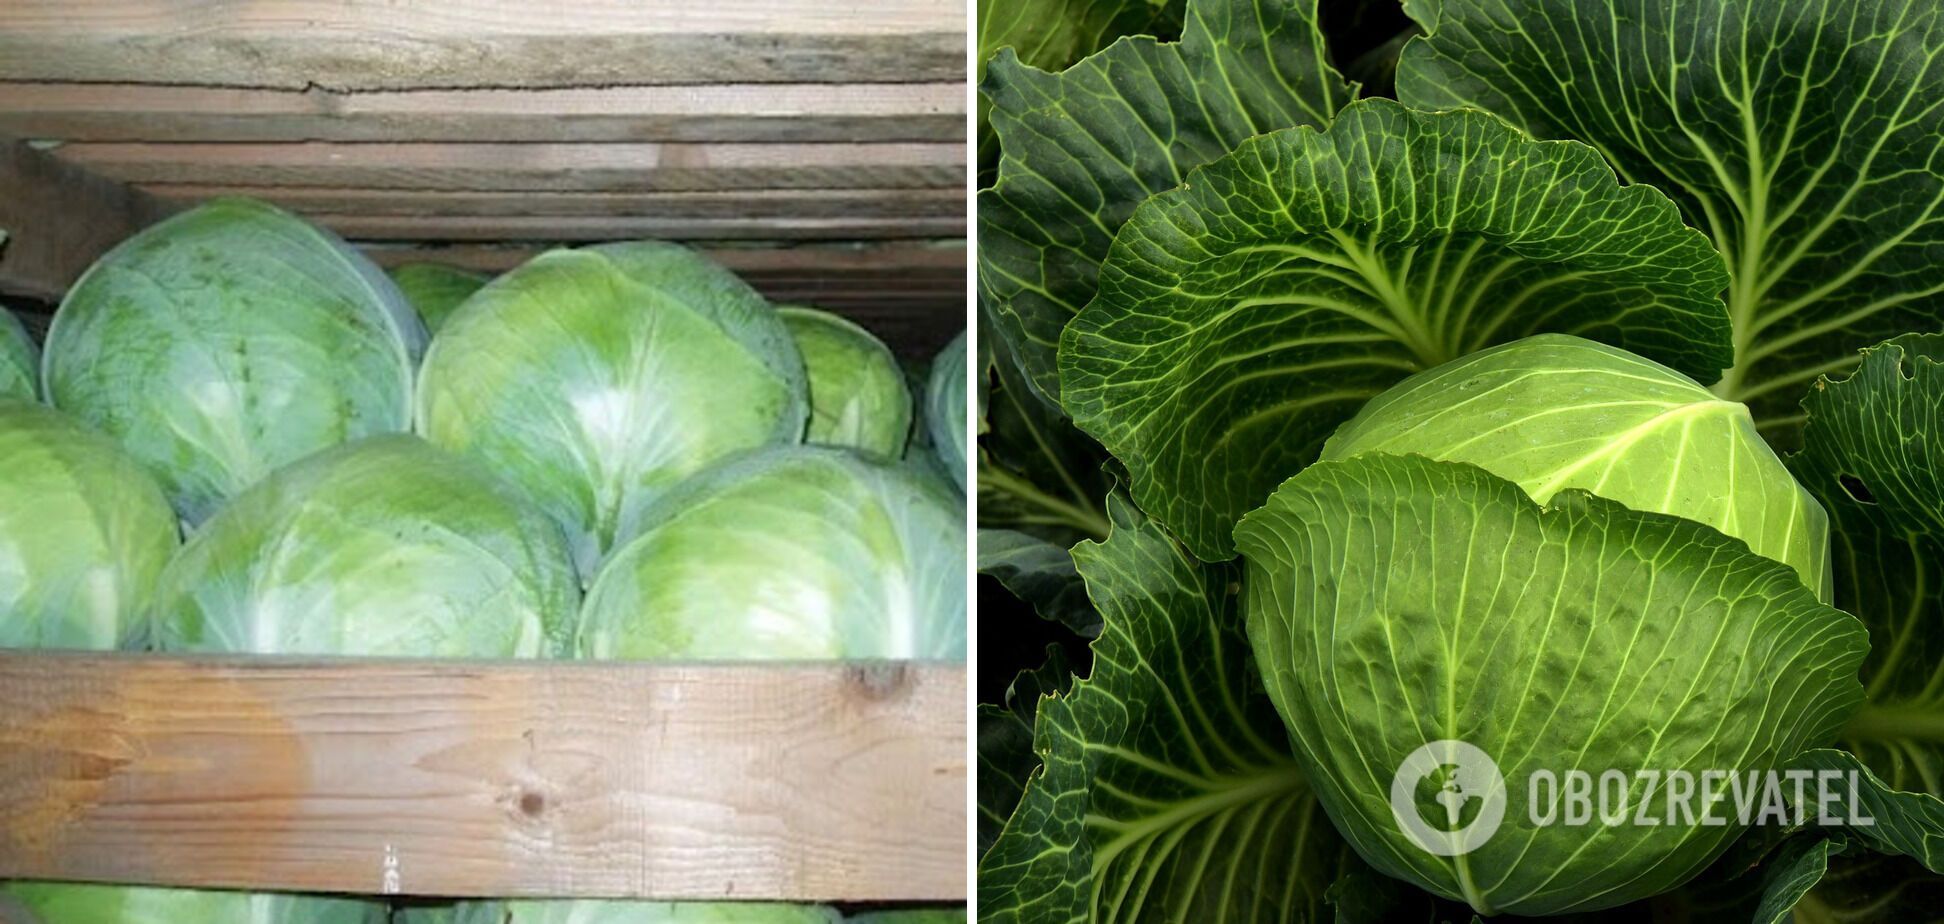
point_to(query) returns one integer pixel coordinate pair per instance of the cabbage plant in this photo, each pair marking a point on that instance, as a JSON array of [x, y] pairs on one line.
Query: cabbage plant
[[73, 903], [230, 340], [387, 546], [799, 552], [857, 389], [84, 533], [434, 290], [19, 360], [1579, 405], [596, 379]]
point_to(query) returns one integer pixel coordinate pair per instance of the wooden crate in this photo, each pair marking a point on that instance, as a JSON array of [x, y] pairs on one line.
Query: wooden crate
[[816, 149]]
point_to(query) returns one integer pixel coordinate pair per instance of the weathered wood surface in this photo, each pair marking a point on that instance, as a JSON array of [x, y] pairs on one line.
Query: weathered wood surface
[[735, 112], [755, 203], [544, 166], [828, 782], [376, 44], [57, 219]]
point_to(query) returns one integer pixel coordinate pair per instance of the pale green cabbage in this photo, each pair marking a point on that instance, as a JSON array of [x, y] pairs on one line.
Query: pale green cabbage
[[70, 903], [802, 552], [84, 533], [857, 389], [945, 408], [230, 340], [19, 360], [1553, 412], [435, 291], [596, 379], [387, 546]]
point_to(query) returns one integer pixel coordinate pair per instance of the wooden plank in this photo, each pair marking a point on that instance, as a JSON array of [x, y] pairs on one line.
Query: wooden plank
[[525, 228], [738, 112], [750, 204], [378, 44], [57, 219], [807, 782], [586, 167]]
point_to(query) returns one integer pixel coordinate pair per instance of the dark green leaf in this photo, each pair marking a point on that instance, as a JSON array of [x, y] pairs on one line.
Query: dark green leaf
[[1040, 573]]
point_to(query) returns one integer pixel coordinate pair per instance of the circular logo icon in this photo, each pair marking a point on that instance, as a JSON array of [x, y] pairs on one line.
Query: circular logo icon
[[1466, 799]]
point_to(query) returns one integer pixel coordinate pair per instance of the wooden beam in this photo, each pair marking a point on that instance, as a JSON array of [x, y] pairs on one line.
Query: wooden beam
[[750, 204], [525, 228], [585, 167], [738, 112], [377, 44], [57, 219], [807, 782]]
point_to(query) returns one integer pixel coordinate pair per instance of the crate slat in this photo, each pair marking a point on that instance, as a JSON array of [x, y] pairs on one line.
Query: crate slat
[[806, 782], [485, 166], [375, 44], [58, 219], [752, 204], [569, 229], [735, 113]]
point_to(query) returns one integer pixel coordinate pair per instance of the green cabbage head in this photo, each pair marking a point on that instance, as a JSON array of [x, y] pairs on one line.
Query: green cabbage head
[[1553, 412], [945, 408], [596, 379], [386, 546], [230, 340], [84, 533], [801, 552], [857, 389], [435, 291], [19, 360], [71, 903]]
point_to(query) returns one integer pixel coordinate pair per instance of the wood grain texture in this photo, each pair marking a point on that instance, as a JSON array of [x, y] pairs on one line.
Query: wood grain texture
[[375, 44], [546, 166], [750, 204], [544, 228], [735, 113], [58, 219], [828, 782]]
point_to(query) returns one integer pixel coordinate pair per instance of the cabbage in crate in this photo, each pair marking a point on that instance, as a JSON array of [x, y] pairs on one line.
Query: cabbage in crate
[[84, 533], [19, 360], [387, 546], [858, 396], [230, 340], [596, 379], [77, 903], [799, 552]]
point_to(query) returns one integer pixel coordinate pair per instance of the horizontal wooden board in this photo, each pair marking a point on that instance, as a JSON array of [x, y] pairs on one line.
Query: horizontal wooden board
[[745, 204], [523, 228], [586, 167], [377, 44], [58, 219], [821, 783], [739, 112]]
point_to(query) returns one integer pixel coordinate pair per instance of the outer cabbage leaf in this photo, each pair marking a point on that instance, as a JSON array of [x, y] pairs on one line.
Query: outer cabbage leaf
[[1873, 452], [230, 340], [1806, 138], [84, 533], [801, 552], [1394, 601], [1005, 742], [1082, 148], [386, 546], [1242, 317], [434, 290], [945, 409], [1037, 474], [596, 379], [1165, 794], [19, 360], [76, 903], [1051, 34], [858, 396], [1553, 412], [1040, 573]]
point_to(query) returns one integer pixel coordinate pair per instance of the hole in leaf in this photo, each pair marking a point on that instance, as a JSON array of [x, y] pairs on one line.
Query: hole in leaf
[[1856, 489]]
